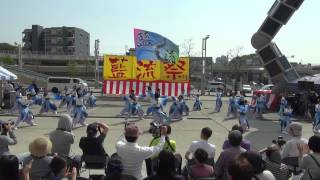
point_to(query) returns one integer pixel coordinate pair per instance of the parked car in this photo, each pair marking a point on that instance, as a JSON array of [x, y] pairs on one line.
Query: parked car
[[246, 88], [56, 84], [267, 89], [92, 83], [213, 86]]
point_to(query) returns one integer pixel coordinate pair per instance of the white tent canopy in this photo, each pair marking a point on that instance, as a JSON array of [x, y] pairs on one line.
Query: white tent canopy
[[7, 75]]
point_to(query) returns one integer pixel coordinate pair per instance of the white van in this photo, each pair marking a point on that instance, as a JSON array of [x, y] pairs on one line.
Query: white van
[[59, 83], [213, 86]]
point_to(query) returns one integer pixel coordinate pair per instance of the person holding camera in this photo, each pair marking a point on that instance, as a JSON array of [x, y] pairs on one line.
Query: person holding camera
[[132, 154], [93, 143], [7, 137]]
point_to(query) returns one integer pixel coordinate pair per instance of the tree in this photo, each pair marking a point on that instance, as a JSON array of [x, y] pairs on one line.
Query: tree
[[73, 69], [187, 48], [7, 47], [234, 53], [7, 60]]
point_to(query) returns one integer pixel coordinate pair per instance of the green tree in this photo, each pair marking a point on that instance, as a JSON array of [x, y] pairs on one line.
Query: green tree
[[7, 47], [7, 60], [73, 69]]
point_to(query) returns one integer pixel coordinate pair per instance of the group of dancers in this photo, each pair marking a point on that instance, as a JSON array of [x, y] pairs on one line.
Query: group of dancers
[[76, 100], [177, 110]]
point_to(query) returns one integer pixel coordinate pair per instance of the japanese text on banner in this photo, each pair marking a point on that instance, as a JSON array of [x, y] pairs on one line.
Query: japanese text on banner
[[118, 67], [147, 70], [178, 72]]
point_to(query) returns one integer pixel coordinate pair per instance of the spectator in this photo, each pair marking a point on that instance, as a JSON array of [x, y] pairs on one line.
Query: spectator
[[259, 166], [311, 162], [240, 169], [93, 144], [291, 147], [133, 155], [9, 167], [7, 138], [226, 157], [166, 168], [200, 169], [60, 170], [245, 144], [39, 148], [62, 138], [169, 145], [114, 168], [274, 163], [203, 144]]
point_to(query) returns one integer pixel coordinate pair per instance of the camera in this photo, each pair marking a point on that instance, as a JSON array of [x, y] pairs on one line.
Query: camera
[[155, 129], [4, 129], [280, 141]]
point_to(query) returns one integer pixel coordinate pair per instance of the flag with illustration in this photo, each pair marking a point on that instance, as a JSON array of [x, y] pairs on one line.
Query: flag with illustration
[[152, 46]]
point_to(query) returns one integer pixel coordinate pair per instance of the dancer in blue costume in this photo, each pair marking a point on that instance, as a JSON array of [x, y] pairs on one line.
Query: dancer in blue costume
[[134, 106], [48, 106], [66, 99], [259, 106], [285, 118], [316, 122], [283, 104], [183, 105], [197, 104], [36, 98], [80, 112], [232, 109], [175, 111], [159, 116], [92, 100], [218, 101], [243, 110], [25, 114]]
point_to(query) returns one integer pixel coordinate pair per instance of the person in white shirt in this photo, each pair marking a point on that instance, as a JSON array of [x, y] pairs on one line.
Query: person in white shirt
[[132, 155], [203, 144]]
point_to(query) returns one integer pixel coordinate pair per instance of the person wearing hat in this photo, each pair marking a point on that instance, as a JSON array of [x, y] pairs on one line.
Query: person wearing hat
[[227, 156], [132, 154], [291, 148], [39, 149], [274, 163]]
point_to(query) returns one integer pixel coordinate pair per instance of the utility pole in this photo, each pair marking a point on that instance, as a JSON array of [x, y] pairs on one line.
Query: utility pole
[[204, 56], [96, 53]]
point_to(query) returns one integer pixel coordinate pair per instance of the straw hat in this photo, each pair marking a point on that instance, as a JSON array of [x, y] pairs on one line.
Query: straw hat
[[40, 147]]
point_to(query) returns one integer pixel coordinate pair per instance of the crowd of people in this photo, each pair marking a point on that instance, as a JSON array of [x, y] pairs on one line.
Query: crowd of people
[[52, 158]]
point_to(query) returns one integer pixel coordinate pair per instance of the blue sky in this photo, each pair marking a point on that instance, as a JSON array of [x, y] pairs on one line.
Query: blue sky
[[230, 23]]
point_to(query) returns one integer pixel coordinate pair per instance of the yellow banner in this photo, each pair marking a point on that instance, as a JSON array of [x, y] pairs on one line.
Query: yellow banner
[[118, 67], [178, 72], [147, 70], [128, 68]]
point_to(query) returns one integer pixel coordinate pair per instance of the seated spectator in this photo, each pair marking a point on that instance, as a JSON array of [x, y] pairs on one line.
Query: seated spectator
[[311, 162], [240, 169], [291, 147], [227, 156], [203, 144], [166, 169], [200, 169], [9, 167], [93, 143], [39, 148], [60, 170], [132, 155], [62, 138], [259, 166], [7, 137], [274, 163], [114, 168], [245, 144]]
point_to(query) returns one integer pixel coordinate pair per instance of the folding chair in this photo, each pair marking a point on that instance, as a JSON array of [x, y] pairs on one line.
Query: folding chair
[[95, 162]]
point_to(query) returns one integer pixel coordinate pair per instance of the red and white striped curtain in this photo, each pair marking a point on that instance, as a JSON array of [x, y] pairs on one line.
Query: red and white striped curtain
[[124, 86]]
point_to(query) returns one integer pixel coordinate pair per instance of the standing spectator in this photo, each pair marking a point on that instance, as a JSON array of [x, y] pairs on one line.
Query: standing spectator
[[227, 156], [203, 144], [166, 169], [291, 147], [274, 163], [39, 148], [259, 166], [311, 162], [133, 155], [62, 138], [9, 167], [7, 138], [240, 169], [93, 144], [200, 168], [245, 144]]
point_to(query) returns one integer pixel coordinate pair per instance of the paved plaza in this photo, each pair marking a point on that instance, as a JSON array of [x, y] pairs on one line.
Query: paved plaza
[[184, 132]]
